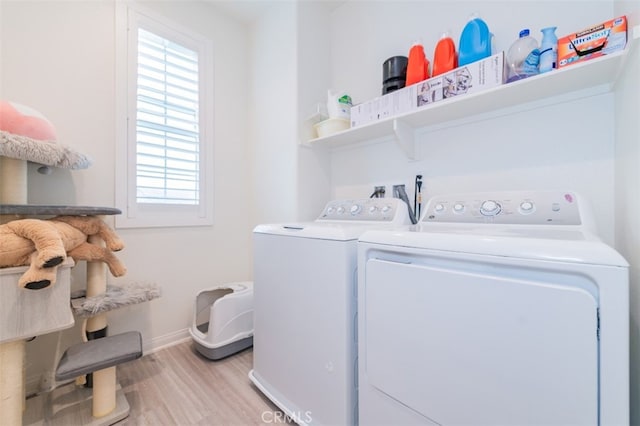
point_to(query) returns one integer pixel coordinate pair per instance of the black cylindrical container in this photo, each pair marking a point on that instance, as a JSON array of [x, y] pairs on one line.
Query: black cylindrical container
[[394, 73]]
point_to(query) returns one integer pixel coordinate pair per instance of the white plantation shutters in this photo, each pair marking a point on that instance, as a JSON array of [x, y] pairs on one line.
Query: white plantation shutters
[[164, 167], [167, 128]]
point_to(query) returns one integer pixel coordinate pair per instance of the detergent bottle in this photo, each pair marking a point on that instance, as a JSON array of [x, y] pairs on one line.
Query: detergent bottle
[[523, 57], [548, 49], [445, 57], [418, 65], [475, 41]]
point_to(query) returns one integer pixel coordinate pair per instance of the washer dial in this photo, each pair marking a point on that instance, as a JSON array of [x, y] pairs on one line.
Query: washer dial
[[526, 207], [458, 208], [490, 208]]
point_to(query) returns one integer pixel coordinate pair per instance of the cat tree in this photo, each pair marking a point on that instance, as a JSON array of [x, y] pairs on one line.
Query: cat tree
[[37, 312]]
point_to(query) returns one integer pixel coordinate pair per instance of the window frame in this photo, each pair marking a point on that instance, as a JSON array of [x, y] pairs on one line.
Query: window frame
[[129, 18]]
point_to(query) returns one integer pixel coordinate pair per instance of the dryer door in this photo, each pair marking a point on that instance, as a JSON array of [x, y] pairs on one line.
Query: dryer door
[[467, 342]]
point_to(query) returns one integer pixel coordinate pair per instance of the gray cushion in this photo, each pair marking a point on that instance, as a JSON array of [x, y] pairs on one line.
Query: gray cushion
[[94, 355]]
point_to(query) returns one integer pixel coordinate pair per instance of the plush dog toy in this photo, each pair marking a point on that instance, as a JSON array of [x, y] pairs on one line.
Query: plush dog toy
[[45, 244]]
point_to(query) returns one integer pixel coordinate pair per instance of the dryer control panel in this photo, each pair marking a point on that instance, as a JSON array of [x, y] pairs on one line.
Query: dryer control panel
[[508, 207], [385, 210]]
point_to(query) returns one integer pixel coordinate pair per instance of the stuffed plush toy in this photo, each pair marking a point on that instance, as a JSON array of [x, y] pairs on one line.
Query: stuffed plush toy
[[45, 244]]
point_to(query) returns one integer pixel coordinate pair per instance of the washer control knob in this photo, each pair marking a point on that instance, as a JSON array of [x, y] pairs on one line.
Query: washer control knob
[[340, 210], [373, 209], [386, 209], [526, 207], [490, 208], [458, 208], [331, 209], [439, 208], [355, 209]]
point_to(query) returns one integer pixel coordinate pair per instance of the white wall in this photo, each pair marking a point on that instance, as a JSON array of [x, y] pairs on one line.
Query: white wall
[[58, 57], [627, 193], [314, 70], [291, 74], [273, 114]]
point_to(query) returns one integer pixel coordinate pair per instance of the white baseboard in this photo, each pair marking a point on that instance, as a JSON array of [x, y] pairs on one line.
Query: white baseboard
[[165, 341]]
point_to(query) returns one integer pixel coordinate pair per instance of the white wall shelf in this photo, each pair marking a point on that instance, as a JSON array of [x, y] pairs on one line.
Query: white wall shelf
[[573, 82]]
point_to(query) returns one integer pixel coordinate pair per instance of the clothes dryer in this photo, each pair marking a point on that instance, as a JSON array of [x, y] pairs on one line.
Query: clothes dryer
[[497, 308], [304, 355]]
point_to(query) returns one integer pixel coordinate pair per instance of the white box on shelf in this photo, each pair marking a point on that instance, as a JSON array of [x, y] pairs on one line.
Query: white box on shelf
[[474, 77], [471, 78], [429, 91], [390, 105], [403, 100], [361, 114], [27, 313]]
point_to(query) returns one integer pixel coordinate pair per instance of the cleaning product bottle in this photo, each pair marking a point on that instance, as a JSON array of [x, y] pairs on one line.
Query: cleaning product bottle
[[445, 57], [523, 57], [394, 74], [548, 49], [418, 65], [339, 105], [475, 41]]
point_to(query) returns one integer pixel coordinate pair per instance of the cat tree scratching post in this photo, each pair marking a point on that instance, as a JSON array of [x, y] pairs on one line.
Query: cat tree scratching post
[[13, 181], [13, 189], [104, 381]]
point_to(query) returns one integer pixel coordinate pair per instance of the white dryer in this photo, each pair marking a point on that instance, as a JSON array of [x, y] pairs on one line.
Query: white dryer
[[497, 308], [304, 348]]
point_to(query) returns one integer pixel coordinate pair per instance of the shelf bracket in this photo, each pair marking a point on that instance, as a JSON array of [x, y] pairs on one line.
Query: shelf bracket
[[405, 138]]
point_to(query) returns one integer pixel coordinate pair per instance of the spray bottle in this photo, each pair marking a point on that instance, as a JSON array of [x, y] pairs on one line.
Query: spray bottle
[[548, 49]]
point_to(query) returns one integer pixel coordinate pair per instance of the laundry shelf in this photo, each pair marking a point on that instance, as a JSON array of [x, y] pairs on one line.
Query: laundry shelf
[[573, 82]]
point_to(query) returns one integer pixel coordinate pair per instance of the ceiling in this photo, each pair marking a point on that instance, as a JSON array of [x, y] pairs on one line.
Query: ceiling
[[244, 10], [250, 10]]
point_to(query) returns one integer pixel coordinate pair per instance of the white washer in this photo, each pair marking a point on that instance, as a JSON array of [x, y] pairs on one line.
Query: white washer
[[498, 308], [304, 354]]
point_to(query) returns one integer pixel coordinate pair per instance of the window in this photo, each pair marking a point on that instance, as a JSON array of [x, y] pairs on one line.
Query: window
[[164, 163], [167, 136]]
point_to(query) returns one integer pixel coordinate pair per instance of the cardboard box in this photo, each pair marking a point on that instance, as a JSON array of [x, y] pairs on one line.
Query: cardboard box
[[429, 91], [474, 77], [390, 105], [471, 78], [602, 39], [361, 114]]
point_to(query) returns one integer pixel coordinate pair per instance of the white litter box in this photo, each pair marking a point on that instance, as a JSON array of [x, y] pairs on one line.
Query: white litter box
[[223, 320]]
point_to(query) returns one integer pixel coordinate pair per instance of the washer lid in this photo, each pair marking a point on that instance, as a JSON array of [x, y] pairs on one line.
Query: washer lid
[[541, 243], [319, 230]]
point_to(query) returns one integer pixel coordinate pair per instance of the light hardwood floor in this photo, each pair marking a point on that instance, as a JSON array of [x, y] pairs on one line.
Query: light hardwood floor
[[177, 386]]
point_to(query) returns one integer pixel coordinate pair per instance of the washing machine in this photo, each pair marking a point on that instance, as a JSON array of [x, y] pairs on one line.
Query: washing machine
[[304, 354], [496, 309]]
